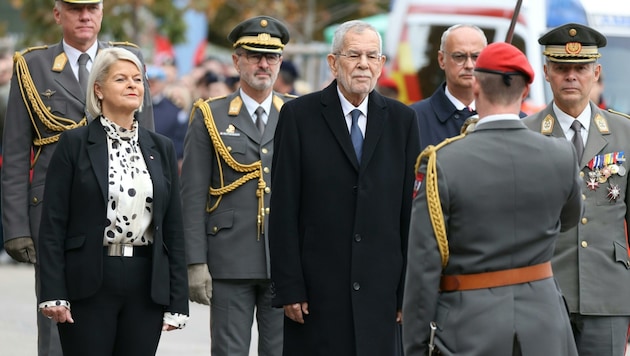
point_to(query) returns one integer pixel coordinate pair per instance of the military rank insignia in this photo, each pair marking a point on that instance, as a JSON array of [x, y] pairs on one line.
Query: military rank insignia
[[418, 183], [602, 168]]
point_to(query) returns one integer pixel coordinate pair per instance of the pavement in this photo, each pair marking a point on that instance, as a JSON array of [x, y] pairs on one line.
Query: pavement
[[18, 329]]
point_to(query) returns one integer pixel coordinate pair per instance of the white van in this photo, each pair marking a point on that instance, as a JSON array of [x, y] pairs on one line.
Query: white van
[[416, 26]]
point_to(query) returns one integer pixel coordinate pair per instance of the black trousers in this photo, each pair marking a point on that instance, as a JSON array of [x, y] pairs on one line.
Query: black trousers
[[120, 319]]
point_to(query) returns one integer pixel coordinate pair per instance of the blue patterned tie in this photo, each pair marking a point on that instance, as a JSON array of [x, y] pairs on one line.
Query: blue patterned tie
[[355, 133]]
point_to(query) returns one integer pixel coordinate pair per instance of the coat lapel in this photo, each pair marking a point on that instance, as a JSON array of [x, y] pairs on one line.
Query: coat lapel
[[97, 152], [377, 116], [152, 160], [333, 115]]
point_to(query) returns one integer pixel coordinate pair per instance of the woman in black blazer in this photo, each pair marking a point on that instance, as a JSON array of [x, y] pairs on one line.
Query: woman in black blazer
[[111, 250]]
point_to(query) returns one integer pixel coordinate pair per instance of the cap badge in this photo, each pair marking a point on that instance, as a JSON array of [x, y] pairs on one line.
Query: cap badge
[[263, 23], [573, 48], [264, 37]]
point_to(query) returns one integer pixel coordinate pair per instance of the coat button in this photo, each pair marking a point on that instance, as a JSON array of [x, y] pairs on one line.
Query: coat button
[[267, 211], [583, 196], [357, 237], [584, 244], [35, 200], [584, 221], [229, 148], [355, 189], [264, 150], [266, 169], [581, 174], [267, 190], [215, 229], [356, 286]]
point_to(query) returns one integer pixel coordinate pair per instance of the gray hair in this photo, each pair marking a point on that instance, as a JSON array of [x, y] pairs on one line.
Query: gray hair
[[455, 27], [104, 61], [354, 26]]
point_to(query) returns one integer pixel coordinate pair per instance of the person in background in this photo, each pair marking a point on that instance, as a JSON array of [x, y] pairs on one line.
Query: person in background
[[225, 193], [112, 267], [287, 76], [170, 119], [442, 115], [597, 93], [53, 79], [468, 246], [212, 85], [343, 172], [387, 87], [591, 259]]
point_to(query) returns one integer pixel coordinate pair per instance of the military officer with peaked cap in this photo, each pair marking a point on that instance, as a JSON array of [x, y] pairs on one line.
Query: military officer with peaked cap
[[226, 188], [591, 260], [46, 99]]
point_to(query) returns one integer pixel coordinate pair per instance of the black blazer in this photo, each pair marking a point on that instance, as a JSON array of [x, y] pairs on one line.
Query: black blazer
[[338, 227], [70, 248]]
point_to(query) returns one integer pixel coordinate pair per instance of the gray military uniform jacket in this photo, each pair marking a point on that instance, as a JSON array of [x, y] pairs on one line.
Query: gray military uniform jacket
[[227, 237], [51, 102], [591, 260]]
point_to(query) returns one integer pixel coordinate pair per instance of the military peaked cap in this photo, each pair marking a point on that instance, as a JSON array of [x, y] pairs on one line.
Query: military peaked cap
[[260, 34], [572, 43]]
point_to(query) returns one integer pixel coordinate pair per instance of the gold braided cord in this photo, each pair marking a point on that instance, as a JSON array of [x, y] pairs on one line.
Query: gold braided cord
[[252, 170], [433, 195], [38, 110]]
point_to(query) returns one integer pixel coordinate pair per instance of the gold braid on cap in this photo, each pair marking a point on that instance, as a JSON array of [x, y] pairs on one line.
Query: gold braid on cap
[[433, 195], [251, 171], [37, 109]]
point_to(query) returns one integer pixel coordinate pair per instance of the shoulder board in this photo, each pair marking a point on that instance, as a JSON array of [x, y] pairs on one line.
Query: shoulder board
[[30, 49], [287, 95], [125, 43], [217, 98], [619, 113]]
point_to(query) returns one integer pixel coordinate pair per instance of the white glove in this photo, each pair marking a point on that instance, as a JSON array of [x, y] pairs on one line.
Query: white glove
[[21, 249], [199, 283]]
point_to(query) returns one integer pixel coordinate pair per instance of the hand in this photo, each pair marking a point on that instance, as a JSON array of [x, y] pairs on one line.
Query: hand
[[59, 314], [199, 283], [21, 249], [296, 311]]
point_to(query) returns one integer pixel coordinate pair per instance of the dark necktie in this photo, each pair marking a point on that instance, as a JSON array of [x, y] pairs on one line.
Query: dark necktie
[[577, 139], [355, 133], [260, 123], [83, 72]]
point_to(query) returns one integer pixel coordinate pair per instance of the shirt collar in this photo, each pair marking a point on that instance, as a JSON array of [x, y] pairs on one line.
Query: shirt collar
[[566, 120], [73, 53], [347, 107], [252, 104], [458, 104]]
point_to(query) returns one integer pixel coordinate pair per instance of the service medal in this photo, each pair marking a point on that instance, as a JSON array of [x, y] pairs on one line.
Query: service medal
[[613, 192], [622, 171], [614, 169], [592, 184]]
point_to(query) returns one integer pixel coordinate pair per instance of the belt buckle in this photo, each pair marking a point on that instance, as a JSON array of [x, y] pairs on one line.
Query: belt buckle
[[127, 251]]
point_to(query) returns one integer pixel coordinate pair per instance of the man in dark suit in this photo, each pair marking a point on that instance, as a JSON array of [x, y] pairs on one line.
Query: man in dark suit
[[46, 98], [226, 187], [343, 168], [591, 260], [483, 228], [442, 114]]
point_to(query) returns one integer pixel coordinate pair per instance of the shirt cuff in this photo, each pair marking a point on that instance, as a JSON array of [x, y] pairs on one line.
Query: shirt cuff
[[175, 319], [53, 303]]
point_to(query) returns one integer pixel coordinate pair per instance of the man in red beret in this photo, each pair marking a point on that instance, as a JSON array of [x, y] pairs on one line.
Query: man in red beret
[[488, 208], [591, 262]]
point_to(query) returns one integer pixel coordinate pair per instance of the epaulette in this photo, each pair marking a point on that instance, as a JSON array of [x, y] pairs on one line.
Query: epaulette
[[216, 98], [619, 113], [29, 49], [125, 43], [288, 95]]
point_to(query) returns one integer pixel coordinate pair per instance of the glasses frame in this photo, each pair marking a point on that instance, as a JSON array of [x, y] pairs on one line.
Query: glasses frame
[[356, 57], [460, 61], [251, 57]]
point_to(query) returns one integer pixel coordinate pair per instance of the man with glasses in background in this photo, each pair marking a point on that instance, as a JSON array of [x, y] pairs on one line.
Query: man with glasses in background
[[442, 114], [226, 188]]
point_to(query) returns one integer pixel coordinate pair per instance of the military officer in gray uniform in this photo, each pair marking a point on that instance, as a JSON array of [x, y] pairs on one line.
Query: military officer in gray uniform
[[591, 260], [225, 192], [45, 99]]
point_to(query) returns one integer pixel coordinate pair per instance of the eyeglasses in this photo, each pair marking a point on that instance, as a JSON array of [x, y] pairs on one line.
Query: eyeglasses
[[255, 58], [460, 58], [372, 57]]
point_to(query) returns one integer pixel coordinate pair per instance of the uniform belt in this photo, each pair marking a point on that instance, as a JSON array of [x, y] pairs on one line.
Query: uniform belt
[[127, 250], [494, 279]]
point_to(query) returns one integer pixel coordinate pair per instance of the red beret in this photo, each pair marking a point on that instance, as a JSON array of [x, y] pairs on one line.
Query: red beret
[[503, 58]]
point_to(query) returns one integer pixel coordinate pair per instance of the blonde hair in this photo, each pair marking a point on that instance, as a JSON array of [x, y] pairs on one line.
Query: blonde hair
[[103, 63]]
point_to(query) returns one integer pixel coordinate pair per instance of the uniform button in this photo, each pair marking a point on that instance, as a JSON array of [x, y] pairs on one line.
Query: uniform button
[[35, 200], [215, 229], [581, 174], [267, 190], [267, 211], [354, 189], [356, 286], [264, 150], [229, 148], [584, 221], [627, 264], [357, 237], [266, 169], [584, 244], [583, 196]]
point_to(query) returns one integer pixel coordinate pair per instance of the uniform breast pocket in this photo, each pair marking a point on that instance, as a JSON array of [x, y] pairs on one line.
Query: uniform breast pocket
[[219, 221], [57, 107], [236, 145]]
